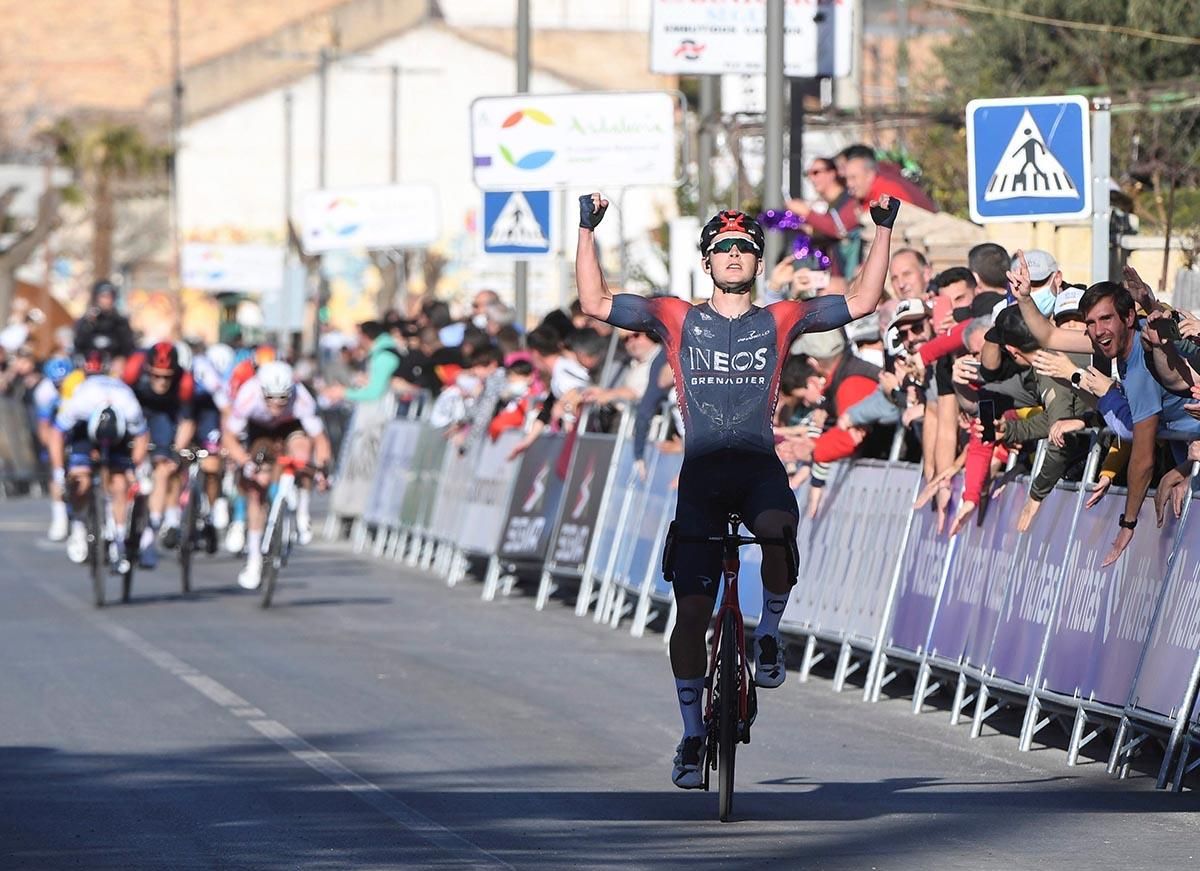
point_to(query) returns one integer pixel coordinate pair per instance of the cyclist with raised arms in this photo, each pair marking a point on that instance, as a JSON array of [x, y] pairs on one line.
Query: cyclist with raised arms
[[102, 413], [273, 415], [727, 355]]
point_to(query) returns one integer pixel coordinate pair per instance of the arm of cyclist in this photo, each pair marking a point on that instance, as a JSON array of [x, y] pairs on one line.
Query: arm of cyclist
[[866, 289], [594, 296]]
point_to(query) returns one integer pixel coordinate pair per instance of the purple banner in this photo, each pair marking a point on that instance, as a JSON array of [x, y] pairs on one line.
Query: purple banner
[[804, 606], [920, 574], [1104, 615], [534, 502], [978, 576], [1175, 639], [1040, 554], [582, 496]]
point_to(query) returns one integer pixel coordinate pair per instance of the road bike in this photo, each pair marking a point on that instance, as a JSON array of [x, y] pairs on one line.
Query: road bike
[[280, 533], [731, 701], [103, 532], [195, 527]]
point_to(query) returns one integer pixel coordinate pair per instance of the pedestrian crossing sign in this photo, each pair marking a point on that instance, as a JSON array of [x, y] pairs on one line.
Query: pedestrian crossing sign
[[1029, 159], [516, 223]]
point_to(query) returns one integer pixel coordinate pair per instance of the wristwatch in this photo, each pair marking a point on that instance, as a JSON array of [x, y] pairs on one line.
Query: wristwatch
[[1077, 377], [1126, 524]]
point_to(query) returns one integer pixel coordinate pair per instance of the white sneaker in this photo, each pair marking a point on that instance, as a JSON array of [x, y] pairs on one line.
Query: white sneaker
[[303, 528], [235, 537], [59, 524], [220, 514], [688, 770], [77, 543], [770, 666], [251, 576]]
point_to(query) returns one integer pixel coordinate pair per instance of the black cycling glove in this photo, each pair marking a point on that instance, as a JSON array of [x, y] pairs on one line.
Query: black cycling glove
[[885, 216], [589, 216]]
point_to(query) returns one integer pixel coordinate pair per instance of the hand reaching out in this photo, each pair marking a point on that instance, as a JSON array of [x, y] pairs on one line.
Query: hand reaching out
[[1018, 279]]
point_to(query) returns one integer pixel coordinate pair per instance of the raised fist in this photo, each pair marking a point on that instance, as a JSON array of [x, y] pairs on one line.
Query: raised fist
[[884, 211], [591, 210]]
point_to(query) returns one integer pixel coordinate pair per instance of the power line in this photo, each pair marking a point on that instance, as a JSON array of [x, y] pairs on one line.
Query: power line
[[1071, 25]]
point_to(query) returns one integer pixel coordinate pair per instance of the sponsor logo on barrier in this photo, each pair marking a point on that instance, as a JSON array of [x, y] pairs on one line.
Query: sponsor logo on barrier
[[1133, 601], [572, 543], [537, 490], [523, 534], [1184, 629]]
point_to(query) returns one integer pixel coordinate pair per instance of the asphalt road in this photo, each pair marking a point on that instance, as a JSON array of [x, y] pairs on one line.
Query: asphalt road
[[377, 719]]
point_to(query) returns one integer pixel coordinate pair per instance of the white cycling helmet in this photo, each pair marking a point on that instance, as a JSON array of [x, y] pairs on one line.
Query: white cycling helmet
[[106, 426], [276, 380], [221, 356], [184, 350]]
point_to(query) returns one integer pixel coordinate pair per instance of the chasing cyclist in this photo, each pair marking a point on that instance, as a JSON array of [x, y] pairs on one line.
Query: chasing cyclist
[[727, 355], [101, 422], [272, 415]]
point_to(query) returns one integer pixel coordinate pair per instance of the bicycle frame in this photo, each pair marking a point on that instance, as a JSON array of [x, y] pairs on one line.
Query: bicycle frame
[[730, 567], [285, 497]]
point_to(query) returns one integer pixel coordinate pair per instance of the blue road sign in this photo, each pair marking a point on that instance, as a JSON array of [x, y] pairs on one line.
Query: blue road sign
[[516, 222], [1029, 159]]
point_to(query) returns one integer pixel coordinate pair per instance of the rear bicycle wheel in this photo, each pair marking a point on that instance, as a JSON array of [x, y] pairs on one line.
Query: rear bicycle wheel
[[727, 713], [135, 523], [187, 540], [273, 557], [97, 546]]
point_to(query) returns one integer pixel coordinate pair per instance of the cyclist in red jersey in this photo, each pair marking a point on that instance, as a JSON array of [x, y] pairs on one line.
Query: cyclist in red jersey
[[727, 355]]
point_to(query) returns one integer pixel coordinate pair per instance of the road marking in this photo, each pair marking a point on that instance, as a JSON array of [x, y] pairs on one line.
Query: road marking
[[457, 847]]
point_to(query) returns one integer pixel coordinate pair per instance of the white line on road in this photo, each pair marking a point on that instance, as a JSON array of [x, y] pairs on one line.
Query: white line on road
[[454, 845]]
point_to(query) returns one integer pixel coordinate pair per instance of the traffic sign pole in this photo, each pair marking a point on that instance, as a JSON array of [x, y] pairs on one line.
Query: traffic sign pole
[[1101, 174]]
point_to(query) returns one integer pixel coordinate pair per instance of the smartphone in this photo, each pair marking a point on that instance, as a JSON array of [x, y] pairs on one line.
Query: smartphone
[[819, 279], [1168, 328], [987, 417], [942, 308]]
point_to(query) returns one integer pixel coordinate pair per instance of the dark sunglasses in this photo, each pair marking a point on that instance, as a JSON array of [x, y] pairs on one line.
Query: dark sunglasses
[[911, 329], [725, 246], [817, 170]]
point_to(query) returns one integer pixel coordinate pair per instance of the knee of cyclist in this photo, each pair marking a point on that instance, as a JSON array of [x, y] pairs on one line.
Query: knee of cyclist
[[693, 613]]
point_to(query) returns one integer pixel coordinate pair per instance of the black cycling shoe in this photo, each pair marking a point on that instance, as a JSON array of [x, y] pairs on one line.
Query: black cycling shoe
[[210, 539], [170, 537], [769, 666]]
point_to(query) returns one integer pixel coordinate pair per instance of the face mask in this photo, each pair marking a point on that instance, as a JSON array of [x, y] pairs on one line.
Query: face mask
[[479, 321], [1044, 300]]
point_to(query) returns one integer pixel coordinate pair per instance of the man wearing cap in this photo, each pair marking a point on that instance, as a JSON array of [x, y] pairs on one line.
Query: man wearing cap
[[1045, 278]]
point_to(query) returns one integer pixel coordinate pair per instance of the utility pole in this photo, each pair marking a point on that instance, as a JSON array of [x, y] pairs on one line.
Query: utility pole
[[710, 116], [395, 152], [322, 127], [773, 171], [1101, 174], [521, 267], [173, 169]]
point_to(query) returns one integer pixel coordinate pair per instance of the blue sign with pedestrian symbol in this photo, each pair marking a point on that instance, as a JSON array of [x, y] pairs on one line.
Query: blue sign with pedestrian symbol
[[1029, 159], [516, 222]]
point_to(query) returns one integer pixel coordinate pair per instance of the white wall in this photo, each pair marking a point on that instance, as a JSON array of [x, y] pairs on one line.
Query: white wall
[[231, 181], [562, 14]]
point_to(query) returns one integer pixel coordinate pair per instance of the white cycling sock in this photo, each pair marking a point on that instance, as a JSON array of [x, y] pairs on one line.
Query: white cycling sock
[[302, 503], [691, 697], [155, 520], [254, 541], [171, 516], [773, 606]]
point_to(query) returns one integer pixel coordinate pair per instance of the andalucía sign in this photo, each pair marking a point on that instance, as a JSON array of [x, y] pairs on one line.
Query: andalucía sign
[[548, 142]]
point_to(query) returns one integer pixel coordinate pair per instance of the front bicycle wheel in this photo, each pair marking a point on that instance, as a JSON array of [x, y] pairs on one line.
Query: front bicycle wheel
[[136, 522], [97, 546], [187, 540], [727, 713], [273, 557]]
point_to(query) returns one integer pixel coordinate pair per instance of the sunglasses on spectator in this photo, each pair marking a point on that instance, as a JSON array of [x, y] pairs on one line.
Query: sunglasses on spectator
[[725, 246], [914, 329], [817, 170]]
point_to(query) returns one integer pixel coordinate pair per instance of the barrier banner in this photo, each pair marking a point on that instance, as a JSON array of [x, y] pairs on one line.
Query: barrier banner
[[834, 548], [623, 510], [976, 580], [804, 605], [920, 575], [18, 456], [1175, 639], [1104, 615], [582, 495], [422, 484], [888, 497], [645, 551], [360, 457], [450, 495], [487, 495], [395, 464], [1021, 628], [534, 503]]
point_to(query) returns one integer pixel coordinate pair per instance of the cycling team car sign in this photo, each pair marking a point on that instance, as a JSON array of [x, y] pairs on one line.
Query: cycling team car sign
[[715, 37], [539, 141], [1029, 159], [516, 223]]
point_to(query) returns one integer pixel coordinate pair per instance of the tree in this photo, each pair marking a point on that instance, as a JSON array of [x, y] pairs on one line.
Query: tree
[[16, 252], [997, 55], [102, 156]]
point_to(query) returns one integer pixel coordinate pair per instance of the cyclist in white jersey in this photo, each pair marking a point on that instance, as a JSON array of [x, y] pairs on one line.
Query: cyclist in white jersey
[[270, 415], [102, 409]]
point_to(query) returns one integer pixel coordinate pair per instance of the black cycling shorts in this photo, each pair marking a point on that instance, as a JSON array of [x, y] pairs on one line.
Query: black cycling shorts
[[711, 487]]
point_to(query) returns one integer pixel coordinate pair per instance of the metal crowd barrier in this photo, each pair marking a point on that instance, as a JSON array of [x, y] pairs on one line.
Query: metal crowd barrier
[[18, 452], [998, 617]]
